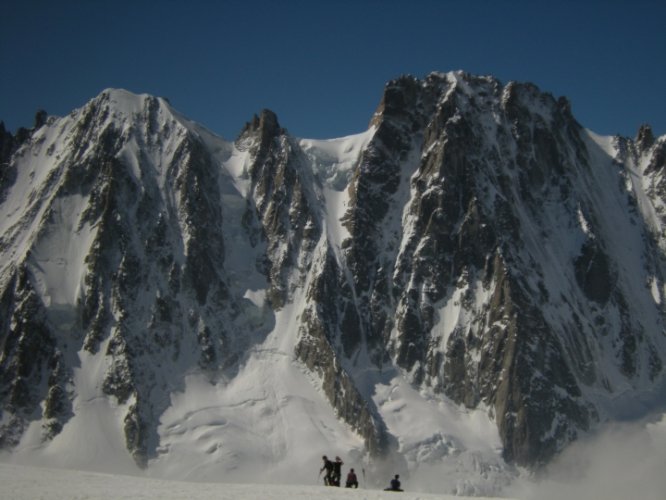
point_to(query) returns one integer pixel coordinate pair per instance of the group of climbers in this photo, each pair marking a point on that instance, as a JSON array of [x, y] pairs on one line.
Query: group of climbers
[[333, 475]]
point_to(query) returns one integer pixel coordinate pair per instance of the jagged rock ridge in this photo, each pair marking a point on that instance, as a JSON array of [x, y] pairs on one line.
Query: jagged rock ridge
[[475, 239]]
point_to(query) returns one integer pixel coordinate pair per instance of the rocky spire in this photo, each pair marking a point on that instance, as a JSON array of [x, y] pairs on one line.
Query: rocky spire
[[644, 137]]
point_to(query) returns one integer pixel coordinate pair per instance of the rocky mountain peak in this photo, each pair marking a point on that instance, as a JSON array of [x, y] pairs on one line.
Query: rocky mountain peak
[[398, 98], [263, 128], [645, 137]]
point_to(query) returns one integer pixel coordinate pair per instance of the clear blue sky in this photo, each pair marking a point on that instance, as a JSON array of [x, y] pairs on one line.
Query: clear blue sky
[[322, 65]]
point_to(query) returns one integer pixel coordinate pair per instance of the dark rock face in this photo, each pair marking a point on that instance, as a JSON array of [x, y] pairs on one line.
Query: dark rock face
[[283, 203], [495, 254], [30, 363], [593, 274], [6, 144], [478, 228]]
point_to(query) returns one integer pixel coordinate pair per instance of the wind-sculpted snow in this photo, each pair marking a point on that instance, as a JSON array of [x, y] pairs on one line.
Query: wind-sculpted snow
[[472, 283]]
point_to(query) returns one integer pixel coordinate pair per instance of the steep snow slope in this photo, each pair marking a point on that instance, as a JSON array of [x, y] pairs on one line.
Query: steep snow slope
[[333, 161]]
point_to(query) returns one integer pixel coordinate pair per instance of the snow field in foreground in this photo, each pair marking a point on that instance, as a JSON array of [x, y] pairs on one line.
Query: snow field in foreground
[[19, 482]]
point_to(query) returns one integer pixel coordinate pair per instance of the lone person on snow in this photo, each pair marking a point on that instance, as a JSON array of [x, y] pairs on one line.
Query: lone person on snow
[[395, 484]]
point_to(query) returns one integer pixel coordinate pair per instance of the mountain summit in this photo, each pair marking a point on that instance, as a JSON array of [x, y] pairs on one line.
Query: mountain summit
[[476, 275]]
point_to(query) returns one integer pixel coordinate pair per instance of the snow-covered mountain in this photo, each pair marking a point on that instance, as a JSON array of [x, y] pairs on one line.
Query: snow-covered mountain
[[472, 283]]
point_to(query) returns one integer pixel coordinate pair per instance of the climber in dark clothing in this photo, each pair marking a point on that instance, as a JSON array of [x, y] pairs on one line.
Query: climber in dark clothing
[[395, 484], [337, 471], [328, 467], [352, 482]]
